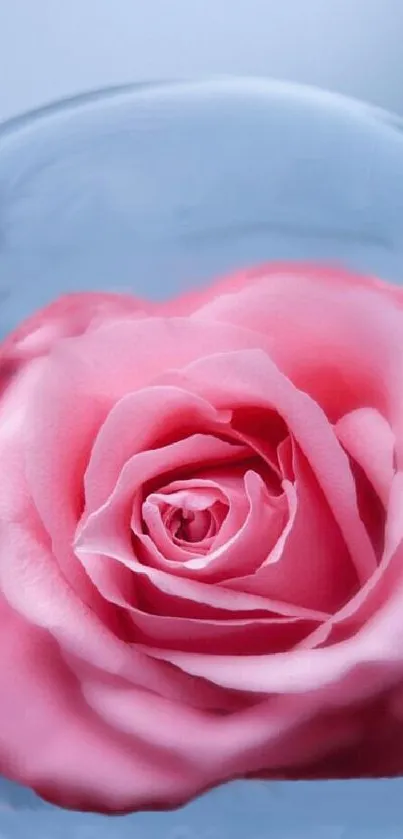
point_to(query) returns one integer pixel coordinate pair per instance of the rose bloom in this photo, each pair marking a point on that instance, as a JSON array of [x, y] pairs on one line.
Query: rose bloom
[[201, 539]]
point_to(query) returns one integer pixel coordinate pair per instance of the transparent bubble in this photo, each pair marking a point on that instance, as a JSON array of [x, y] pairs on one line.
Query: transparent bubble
[[158, 188]]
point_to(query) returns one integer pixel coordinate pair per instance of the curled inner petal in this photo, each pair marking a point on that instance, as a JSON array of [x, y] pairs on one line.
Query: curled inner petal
[[187, 515]]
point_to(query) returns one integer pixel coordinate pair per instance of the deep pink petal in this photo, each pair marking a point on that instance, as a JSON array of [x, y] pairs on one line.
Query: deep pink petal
[[324, 275]]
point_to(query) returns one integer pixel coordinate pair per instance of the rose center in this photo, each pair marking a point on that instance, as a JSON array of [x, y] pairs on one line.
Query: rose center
[[189, 515], [192, 525]]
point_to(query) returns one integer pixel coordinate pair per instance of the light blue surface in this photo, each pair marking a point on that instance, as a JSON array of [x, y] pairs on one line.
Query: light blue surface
[[158, 188], [328, 810], [50, 49]]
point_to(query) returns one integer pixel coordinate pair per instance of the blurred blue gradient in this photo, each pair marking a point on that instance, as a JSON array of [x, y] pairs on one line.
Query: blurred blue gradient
[[51, 49], [155, 187]]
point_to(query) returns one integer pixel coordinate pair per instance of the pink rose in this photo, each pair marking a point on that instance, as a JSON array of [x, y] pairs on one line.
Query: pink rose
[[201, 539]]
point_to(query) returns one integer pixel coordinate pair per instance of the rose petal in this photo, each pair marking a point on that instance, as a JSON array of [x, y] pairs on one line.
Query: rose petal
[[37, 589], [245, 549], [229, 633], [107, 531], [143, 421], [177, 593], [53, 737], [79, 385], [250, 377], [364, 665], [368, 438], [230, 497], [109, 526], [57, 738], [344, 342], [310, 566], [381, 590], [325, 275]]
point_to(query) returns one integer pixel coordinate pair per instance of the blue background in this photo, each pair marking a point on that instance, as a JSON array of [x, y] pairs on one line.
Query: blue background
[[49, 51]]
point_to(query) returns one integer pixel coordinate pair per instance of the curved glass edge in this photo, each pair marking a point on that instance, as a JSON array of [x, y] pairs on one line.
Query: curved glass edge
[[234, 83]]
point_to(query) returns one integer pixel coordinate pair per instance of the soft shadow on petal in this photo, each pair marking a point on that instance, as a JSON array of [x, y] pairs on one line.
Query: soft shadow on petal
[[82, 380], [250, 377], [361, 659], [246, 547], [145, 421], [337, 335], [213, 631], [226, 489], [35, 589], [379, 597], [369, 440], [310, 566], [109, 526], [53, 739]]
